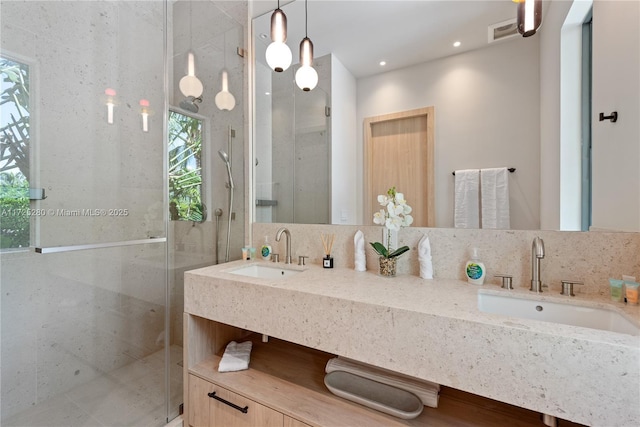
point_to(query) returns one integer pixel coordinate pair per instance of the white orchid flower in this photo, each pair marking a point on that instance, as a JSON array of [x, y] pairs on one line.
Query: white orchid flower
[[379, 217], [383, 200], [393, 223], [393, 209], [400, 199], [407, 221], [407, 209]]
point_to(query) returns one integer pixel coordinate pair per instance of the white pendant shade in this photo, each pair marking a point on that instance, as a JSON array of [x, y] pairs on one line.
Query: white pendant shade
[[190, 85], [224, 99], [306, 78], [278, 56]]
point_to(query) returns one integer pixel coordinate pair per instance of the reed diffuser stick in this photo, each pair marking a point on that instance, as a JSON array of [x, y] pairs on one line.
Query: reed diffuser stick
[[327, 243]]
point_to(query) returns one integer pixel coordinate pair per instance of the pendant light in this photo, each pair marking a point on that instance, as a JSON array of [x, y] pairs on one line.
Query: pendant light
[[529, 16], [190, 85], [224, 99], [306, 76], [278, 54]]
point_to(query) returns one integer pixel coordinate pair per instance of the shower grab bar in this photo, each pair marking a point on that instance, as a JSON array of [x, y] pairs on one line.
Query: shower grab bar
[[57, 249]]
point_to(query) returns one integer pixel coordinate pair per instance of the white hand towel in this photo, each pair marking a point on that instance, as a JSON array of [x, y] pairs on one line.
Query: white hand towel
[[467, 199], [494, 190], [236, 357], [359, 254], [424, 256]]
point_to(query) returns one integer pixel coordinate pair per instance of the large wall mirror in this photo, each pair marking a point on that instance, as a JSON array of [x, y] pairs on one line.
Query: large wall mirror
[[499, 100]]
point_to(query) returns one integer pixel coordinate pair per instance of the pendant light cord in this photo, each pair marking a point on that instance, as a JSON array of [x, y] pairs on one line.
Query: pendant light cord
[[305, 19]]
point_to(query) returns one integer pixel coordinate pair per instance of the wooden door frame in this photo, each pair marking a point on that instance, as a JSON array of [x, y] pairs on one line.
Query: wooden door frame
[[428, 112]]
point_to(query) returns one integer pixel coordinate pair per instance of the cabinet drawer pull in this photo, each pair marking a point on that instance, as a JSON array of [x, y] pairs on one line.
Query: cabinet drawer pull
[[226, 402]]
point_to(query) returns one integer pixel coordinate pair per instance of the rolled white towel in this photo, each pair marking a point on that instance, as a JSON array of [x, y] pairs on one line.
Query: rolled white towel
[[359, 254], [424, 257], [236, 357]]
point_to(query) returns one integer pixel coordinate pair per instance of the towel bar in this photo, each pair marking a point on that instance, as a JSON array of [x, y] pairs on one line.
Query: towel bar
[[512, 170]]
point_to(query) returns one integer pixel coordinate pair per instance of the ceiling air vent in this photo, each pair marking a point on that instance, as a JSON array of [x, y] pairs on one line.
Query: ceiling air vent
[[503, 30]]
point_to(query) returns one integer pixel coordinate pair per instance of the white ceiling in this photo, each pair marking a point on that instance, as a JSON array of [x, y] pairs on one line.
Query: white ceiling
[[361, 33]]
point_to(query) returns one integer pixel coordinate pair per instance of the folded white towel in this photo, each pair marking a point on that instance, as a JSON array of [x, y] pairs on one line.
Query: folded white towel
[[236, 357], [467, 199], [424, 257], [494, 195], [359, 254], [426, 391]]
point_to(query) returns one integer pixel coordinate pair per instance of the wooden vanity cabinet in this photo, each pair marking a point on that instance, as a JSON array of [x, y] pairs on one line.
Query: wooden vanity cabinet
[[283, 386], [206, 411]]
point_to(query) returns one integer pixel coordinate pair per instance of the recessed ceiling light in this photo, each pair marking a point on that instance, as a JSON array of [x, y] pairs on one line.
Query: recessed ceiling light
[[456, 44], [383, 63], [267, 93]]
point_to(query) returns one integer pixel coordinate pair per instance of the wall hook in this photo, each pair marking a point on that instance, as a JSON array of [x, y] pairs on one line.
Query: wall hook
[[613, 117]]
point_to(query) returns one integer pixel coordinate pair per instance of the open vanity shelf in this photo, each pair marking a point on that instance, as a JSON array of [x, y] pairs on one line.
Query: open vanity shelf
[[288, 379], [284, 387]]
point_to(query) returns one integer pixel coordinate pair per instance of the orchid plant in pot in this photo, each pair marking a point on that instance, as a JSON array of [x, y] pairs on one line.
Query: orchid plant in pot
[[395, 216]]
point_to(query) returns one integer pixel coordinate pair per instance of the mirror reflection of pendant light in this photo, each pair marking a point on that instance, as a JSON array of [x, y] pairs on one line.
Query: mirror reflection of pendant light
[[224, 99], [306, 76], [190, 85], [278, 54], [529, 16]]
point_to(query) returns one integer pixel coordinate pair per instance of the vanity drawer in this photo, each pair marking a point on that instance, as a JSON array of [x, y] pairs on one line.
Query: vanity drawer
[[215, 406]]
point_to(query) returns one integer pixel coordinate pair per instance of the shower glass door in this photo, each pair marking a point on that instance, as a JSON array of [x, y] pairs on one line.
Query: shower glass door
[[84, 314]]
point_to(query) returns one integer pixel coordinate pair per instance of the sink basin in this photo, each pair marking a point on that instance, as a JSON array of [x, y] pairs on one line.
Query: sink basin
[[568, 314], [264, 272]]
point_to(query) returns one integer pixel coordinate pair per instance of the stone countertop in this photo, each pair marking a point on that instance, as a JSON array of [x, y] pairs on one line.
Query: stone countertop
[[433, 329]]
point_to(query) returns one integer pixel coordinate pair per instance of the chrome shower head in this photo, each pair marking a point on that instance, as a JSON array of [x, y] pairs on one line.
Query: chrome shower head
[[223, 155], [225, 158], [191, 104]]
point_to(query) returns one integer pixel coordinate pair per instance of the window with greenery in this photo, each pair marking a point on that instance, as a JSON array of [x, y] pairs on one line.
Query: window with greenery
[[185, 168], [14, 154]]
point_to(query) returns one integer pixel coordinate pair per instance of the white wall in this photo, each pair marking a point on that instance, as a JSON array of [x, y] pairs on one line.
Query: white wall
[[550, 54], [343, 144], [487, 112], [616, 87]]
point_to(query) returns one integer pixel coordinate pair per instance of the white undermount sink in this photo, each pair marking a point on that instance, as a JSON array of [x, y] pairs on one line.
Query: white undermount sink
[[555, 312], [264, 272]]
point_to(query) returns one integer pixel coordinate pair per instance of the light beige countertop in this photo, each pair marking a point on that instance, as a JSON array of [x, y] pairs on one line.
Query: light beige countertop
[[433, 329]]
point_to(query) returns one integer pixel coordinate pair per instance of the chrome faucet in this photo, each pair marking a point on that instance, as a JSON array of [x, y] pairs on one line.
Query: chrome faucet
[[284, 230], [537, 253]]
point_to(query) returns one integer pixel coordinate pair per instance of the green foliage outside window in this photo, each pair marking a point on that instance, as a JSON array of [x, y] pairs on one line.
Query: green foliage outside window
[[14, 154], [185, 167]]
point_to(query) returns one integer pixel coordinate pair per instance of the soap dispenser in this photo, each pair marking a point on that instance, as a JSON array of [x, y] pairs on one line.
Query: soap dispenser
[[265, 250], [474, 269]]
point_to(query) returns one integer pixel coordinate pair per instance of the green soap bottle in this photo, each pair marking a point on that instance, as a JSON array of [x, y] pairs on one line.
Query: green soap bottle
[[474, 269], [265, 250]]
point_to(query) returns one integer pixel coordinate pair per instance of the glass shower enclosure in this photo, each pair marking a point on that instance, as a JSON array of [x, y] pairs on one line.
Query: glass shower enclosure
[[94, 240], [84, 305]]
